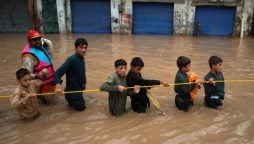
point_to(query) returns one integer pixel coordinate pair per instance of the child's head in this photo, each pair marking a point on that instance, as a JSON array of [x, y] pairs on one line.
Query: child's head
[[215, 63], [23, 77], [136, 65], [183, 63], [121, 67], [81, 46]]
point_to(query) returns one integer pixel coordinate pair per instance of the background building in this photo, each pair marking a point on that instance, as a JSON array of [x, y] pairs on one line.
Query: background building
[[166, 17]]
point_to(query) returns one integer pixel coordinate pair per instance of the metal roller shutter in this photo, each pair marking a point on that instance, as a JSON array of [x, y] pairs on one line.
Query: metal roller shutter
[[91, 16], [214, 21], [152, 18]]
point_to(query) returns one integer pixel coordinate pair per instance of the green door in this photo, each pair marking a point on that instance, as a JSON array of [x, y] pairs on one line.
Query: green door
[[49, 14]]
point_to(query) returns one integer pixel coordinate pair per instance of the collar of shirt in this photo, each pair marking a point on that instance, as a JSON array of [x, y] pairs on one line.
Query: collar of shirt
[[79, 56]]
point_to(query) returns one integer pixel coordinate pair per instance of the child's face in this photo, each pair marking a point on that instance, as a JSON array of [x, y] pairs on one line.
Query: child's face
[[186, 69], [81, 50], [217, 67], [25, 81], [121, 70], [136, 70]]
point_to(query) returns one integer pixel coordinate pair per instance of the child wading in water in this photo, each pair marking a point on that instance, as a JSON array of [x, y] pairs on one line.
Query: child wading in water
[[23, 98], [139, 101], [183, 99], [214, 92], [75, 71], [116, 86]]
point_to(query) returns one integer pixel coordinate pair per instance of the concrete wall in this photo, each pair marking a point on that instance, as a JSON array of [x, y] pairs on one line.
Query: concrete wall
[[246, 18], [115, 15], [121, 16], [243, 22], [183, 18], [60, 4]]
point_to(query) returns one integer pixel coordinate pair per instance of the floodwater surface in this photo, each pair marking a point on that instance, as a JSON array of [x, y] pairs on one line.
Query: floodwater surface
[[231, 124]]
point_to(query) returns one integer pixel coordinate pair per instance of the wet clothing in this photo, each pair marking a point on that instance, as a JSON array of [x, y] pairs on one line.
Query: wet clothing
[[183, 98], [35, 60], [74, 68], [27, 107], [214, 94], [116, 99], [139, 101]]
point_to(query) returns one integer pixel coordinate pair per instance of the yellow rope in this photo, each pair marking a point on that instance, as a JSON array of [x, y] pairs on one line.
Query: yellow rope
[[67, 92], [97, 90], [155, 102]]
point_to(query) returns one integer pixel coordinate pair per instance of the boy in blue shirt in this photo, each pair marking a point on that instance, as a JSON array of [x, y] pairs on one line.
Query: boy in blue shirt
[[74, 68], [214, 91]]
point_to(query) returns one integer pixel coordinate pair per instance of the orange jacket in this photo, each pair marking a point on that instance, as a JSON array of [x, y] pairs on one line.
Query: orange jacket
[[192, 78]]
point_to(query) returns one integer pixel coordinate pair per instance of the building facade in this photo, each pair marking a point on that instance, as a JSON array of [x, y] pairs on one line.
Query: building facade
[[165, 17]]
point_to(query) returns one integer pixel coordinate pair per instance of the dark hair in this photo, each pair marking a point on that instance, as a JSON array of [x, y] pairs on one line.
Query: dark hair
[[214, 60], [21, 73], [137, 62], [80, 41], [183, 61], [120, 62]]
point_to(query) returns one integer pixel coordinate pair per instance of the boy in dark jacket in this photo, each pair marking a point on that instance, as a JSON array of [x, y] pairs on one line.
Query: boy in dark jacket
[[139, 101], [74, 68], [214, 91], [183, 99]]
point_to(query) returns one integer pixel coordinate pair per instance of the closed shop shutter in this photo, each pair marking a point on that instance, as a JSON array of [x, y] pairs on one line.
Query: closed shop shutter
[[214, 21], [91, 16], [152, 18]]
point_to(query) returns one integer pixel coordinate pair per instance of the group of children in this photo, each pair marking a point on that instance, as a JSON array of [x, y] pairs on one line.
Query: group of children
[[185, 87], [213, 83], [119, 85]]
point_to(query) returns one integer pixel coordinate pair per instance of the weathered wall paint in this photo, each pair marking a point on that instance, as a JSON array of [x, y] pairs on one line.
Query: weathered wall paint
[[115, 17], [121, 16], [39, 12], [61, 15], [244, 14], [183, 18], [191, 17], [35, 21], [68, 16], [126, 17], [247, 18]]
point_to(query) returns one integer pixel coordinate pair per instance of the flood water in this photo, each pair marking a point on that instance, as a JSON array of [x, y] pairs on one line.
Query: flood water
[[232, 124]]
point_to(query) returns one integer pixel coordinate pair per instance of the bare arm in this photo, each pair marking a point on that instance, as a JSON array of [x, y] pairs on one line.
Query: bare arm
[[28, 62]]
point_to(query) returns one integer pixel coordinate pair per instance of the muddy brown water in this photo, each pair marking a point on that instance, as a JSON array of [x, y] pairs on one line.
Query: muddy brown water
[[232, 124]]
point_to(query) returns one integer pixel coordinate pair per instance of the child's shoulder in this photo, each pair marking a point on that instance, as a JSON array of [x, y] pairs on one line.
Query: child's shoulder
[[17, 90], [113, 76], [181, 74]]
